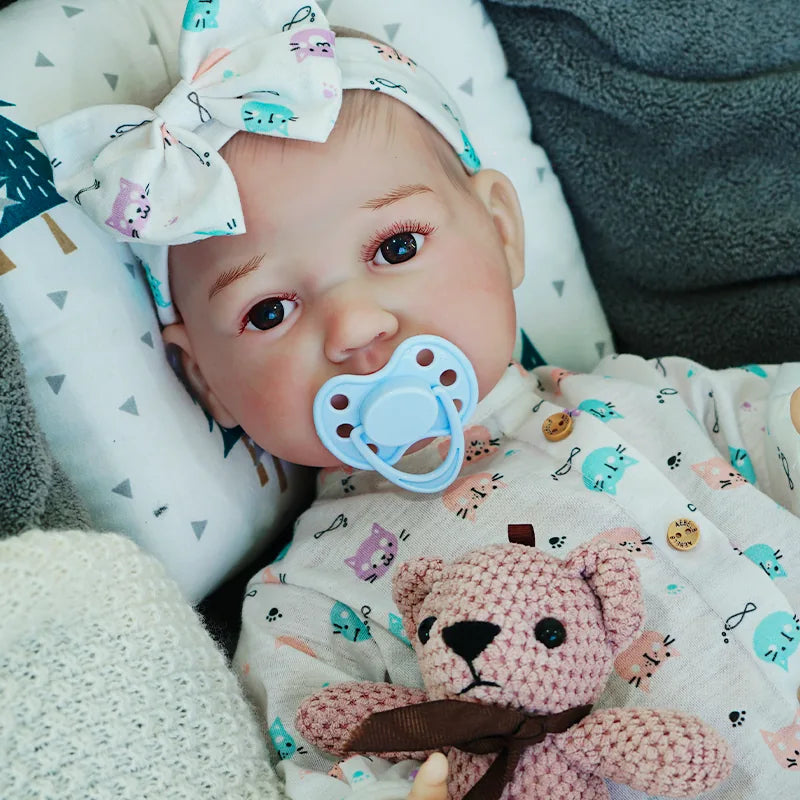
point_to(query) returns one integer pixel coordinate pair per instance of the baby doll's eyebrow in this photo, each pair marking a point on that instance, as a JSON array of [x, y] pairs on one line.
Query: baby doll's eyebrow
[[233, 274], [400, 193]]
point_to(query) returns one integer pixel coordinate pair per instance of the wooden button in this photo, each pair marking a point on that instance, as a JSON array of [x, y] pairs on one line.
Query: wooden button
[[557, 426], [683, 534]]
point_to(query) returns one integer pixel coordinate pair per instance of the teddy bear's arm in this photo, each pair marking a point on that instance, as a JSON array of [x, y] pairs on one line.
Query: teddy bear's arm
[[654, 750], [329, 717]]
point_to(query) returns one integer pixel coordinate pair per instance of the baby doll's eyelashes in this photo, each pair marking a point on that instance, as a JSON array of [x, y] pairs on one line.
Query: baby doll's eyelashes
[[268, 313], [396, 244]]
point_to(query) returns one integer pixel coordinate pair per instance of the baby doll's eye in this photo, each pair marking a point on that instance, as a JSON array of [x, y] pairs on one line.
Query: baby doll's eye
[[401, 247], [550, 632], [269, 313], [424, 630]]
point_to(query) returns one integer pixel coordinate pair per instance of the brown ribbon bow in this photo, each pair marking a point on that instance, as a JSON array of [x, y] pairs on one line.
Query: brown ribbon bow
[[472, 727]]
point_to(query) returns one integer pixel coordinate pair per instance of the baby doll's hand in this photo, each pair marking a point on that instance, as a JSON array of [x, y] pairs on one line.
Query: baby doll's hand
[[431, 780]]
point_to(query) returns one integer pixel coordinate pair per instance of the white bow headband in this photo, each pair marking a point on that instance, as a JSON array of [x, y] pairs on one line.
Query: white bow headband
[[153, 177]]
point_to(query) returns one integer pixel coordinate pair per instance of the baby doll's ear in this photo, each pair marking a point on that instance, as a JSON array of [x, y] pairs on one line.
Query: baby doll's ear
[[614, 578], [500, 197], [176, 339], [410, 586]]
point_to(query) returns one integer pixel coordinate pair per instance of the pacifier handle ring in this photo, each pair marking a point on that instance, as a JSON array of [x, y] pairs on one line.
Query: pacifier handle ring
[[428, 481]]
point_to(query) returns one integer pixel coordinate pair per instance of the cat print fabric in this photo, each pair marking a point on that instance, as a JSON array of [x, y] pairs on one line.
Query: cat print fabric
[[293, 89], [652, 442], [130, 209]]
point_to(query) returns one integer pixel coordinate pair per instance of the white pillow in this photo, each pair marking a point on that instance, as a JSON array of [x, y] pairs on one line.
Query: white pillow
[[146, 460]]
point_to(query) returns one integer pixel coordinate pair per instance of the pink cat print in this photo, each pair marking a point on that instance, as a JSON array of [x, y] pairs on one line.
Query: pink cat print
[[468, 493], [644, 657], [388, 53], [478, 442], [312, 42], [166, 137], [130, 209], [785, 744], [719, 474], [557, 375], [629, 539]]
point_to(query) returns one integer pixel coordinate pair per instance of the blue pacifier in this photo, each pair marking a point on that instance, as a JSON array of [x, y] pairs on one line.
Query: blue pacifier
[[428, 388]]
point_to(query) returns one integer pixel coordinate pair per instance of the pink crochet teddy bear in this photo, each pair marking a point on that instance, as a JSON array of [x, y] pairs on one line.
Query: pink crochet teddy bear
[[514, 647]]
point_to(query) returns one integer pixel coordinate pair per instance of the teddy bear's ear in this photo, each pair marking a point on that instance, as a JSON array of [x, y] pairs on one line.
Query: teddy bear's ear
[[410, 586], [614, 578]]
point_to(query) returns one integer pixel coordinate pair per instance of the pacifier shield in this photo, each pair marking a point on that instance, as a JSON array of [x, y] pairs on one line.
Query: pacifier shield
[[428, 388]]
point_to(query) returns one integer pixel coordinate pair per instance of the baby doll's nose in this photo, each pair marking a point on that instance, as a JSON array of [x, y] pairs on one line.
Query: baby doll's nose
[[353, 328]]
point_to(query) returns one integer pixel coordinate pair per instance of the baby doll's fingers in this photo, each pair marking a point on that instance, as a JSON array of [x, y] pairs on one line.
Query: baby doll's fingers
[[431, 780]]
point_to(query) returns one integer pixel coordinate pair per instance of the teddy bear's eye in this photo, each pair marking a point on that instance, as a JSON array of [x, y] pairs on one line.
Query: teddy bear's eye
[[550, 632], [424, 630]]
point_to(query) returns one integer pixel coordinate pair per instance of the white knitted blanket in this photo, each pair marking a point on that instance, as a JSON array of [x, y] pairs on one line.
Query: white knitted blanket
[[109, 685]]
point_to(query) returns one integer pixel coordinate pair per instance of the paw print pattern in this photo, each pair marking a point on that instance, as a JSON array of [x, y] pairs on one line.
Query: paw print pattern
[[273, 614], [737, 718], [673, 462], [557, 542]]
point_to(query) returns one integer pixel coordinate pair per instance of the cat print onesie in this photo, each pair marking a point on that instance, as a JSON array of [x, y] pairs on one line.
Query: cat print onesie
[[694, 471]]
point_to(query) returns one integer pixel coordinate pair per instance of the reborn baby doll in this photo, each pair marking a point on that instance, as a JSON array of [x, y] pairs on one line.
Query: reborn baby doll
[[345, 216]]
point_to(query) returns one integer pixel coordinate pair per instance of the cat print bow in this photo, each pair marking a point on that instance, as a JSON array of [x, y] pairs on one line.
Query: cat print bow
[[154, 175]]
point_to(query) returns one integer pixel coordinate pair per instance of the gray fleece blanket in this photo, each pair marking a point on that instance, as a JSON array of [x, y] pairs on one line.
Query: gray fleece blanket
[[34, 491], [674, 126]]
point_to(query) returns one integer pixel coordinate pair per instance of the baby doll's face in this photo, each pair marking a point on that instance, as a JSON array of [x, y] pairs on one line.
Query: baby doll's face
[[351, 247]]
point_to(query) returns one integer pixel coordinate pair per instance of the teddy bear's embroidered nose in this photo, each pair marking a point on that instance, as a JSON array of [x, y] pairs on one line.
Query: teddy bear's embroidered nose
[[470, 638]]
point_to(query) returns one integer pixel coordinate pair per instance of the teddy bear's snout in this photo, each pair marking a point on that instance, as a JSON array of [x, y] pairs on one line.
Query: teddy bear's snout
[[470, 638]]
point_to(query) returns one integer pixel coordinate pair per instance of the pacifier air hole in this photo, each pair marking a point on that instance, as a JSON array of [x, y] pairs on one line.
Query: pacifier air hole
[[425, 357], [340, 402], [448, 377]]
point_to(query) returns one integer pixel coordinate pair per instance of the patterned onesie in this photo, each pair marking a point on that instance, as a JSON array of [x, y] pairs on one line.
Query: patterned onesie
[[655, 447]]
